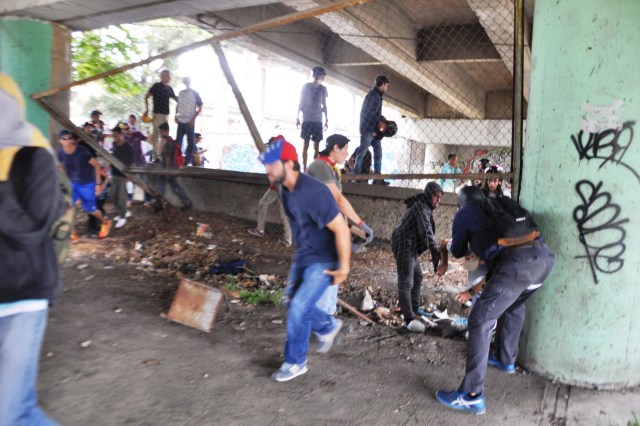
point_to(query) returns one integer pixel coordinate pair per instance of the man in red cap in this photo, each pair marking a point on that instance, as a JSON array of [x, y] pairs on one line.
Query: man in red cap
[[321, 258]]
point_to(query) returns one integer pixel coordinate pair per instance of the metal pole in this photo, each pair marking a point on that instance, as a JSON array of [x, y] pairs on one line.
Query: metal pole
[[244, 109], [261, 26], [518, 73]]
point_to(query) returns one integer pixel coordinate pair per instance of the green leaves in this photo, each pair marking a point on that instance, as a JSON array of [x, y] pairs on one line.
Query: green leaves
[[101, 50]]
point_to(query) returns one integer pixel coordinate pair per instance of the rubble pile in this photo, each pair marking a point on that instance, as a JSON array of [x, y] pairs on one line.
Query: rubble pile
[[195, 244]]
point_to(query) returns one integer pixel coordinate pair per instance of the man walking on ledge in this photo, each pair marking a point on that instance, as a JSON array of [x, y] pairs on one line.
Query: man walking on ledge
[[321, 259]]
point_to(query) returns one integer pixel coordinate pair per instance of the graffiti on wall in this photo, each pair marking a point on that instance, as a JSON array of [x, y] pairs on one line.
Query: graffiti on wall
[[601, 231]]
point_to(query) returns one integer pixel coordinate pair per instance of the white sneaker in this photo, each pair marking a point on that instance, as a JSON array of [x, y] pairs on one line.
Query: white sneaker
[[117, 218], [128, 214], [120, 222], [416, 325]]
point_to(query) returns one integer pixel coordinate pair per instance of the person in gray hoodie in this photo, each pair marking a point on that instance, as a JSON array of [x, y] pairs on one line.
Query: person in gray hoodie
[[31, 201], [414, 235]]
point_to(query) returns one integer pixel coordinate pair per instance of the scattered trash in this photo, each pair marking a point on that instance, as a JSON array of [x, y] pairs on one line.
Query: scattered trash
[[205, 375], [232, 267], [82, 266], [152, 362], [276, 321], [202, 229], [367, 302], [460, 323], [189, 242], [138, 246], [85, 344], [211, 246], [117, 310], [382, 312], [235, 301], [90, 277], [264, 279], [49, 354], [108, 267], [177, 247]]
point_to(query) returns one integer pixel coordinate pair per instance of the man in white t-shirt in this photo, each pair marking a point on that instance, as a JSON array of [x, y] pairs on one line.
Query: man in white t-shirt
[[189, 107]]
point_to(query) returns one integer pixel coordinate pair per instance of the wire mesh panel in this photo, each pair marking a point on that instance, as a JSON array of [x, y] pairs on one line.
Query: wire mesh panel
[[448, 64]]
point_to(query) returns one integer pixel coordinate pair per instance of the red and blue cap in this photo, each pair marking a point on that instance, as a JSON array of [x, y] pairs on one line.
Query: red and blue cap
[[278, 150]]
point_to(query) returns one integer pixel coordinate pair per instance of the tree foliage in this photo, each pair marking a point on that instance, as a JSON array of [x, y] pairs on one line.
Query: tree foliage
[[98, 51]]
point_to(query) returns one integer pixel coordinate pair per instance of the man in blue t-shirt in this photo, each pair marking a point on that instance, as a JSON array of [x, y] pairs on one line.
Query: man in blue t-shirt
[[321, 258], [83, 170]]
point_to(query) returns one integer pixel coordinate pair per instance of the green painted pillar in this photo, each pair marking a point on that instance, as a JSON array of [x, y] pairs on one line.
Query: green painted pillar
[[581, 178], [37, 55]]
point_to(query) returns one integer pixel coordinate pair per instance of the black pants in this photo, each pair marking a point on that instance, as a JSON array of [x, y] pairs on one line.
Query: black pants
[[94, 223], [409, 278]]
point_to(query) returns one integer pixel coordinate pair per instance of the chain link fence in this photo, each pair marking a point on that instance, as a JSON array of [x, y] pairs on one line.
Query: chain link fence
[[449, 65]]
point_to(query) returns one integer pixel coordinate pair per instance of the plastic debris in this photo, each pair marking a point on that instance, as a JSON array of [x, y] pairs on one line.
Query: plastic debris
[[367, 302], [232, 267], [85, 344], [202, 229]]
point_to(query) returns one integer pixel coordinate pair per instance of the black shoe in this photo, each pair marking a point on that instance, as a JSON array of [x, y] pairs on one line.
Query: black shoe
[[381, 182]]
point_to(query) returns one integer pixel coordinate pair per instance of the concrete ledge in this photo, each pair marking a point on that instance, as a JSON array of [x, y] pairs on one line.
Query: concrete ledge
[[237, 194]]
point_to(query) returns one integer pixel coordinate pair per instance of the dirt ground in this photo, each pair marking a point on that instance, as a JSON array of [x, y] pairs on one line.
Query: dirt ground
[[110, 359]]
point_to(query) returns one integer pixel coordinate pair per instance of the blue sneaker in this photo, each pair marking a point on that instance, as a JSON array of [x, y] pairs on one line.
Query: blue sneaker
[[495, 362], [288, 371], [462, 401], [325, 342], [421, 312]]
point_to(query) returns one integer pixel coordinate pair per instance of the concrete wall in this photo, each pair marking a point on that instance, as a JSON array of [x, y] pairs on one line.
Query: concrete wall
[[581, 179], [36, 55], [380, 207]]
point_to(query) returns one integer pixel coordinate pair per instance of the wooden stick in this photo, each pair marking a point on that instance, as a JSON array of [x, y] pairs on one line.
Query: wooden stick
[[354, 311], [244, 109], [261, 26]]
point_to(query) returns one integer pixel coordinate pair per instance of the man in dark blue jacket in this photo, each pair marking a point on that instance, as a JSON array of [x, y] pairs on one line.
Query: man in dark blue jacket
[[370, 116], [516, 272]]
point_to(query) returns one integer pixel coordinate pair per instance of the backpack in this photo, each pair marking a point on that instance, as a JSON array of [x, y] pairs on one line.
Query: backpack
[[512, 222], [178, 158], [60, 230]]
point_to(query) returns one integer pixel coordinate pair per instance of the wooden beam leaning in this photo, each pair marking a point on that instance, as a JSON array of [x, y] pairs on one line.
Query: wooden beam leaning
[[261, 26], [95, 145], [244, 109]]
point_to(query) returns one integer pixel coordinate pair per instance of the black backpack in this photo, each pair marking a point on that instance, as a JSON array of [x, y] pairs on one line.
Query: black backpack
[[512, 222]]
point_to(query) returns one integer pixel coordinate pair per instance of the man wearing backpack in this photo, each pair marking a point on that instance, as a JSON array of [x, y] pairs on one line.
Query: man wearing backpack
[[31, 203], [516, 272], [172, 159]]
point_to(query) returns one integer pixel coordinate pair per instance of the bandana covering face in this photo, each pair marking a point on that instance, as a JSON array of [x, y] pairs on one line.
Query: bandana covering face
[[15, 131]]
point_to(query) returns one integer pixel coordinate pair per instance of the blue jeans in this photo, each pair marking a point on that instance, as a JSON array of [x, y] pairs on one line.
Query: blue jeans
[[185, 129], [305, 288], [20, 342], [329, 300], [365, 142]]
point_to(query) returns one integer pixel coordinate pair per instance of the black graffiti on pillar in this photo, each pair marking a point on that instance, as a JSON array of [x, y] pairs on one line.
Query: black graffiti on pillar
[[600, 228], [608, 145]]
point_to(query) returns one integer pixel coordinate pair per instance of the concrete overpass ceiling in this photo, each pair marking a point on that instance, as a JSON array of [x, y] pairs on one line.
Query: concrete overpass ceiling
[[454, 50], [80, 15]]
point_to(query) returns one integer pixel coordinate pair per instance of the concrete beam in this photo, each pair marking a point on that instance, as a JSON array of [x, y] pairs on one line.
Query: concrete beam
[[456, 43], [385, 33], [306, 44], [11, 6], [497, 17]]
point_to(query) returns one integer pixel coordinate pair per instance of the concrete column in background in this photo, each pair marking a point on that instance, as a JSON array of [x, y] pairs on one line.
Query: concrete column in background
[[37, 55], [581, 180]]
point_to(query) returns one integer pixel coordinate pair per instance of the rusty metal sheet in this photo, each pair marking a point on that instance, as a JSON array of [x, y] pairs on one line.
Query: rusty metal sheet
[[196, 305]]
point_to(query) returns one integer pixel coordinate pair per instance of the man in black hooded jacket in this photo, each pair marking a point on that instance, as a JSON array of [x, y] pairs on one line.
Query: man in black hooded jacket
[[414, 235]]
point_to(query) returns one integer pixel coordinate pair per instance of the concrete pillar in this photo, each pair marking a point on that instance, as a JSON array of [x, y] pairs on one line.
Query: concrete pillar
[[581, 179], [37, 55]]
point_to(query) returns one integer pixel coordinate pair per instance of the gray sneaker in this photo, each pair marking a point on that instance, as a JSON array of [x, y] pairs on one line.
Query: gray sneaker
[[288, 371], [325, 342]]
